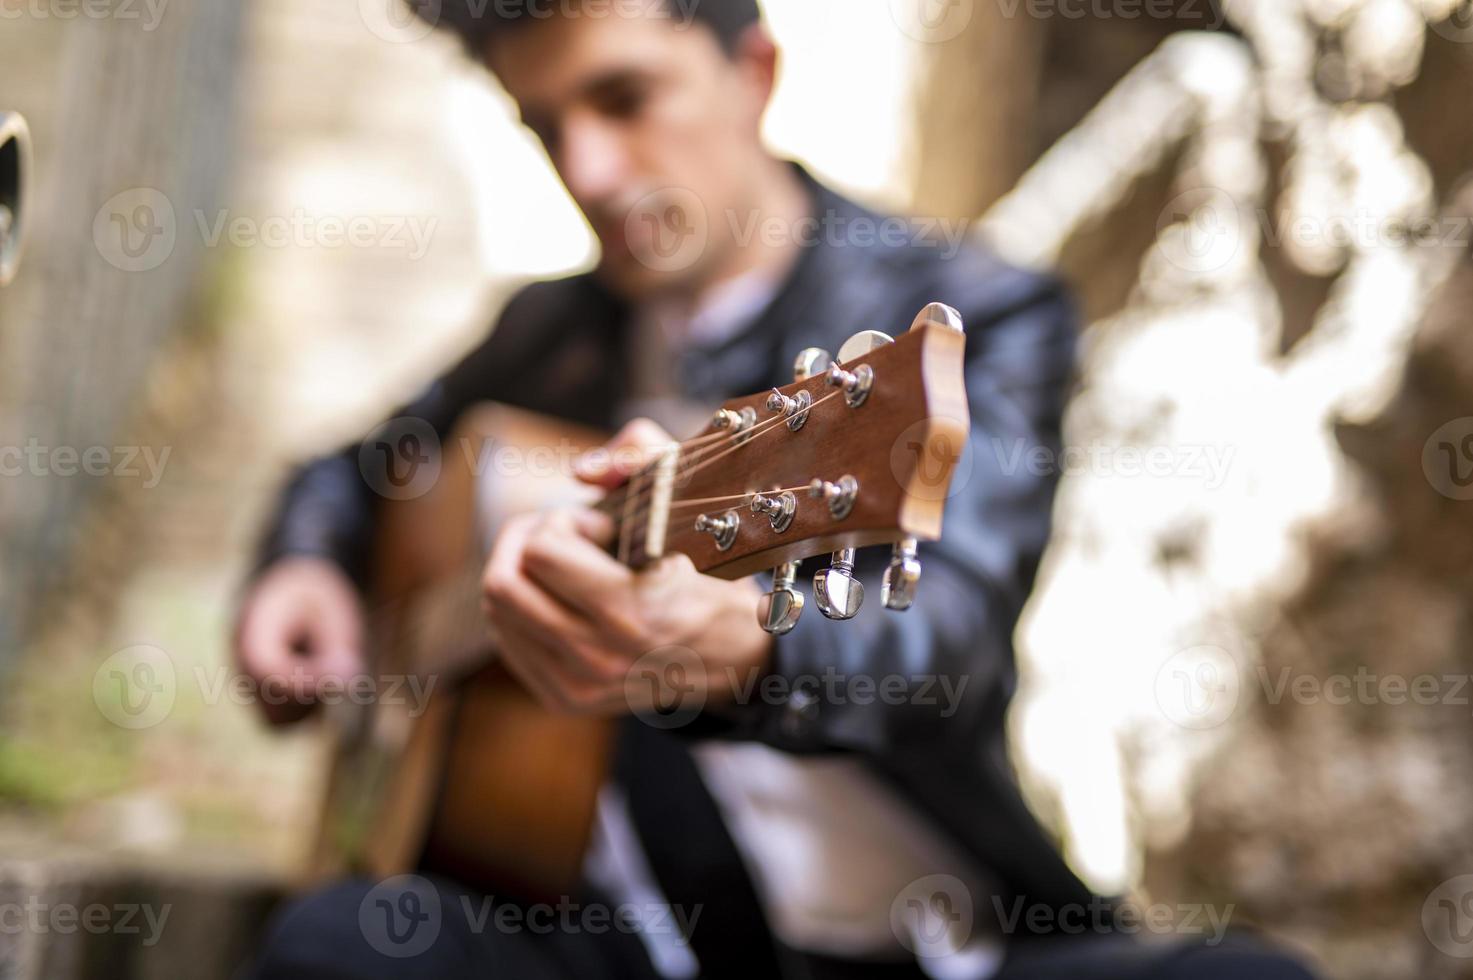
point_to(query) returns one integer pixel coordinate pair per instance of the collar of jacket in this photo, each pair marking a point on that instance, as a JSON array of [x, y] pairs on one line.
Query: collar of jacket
[[826, 288]]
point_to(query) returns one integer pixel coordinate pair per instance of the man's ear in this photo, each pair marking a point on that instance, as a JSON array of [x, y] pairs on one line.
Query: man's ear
[[756, 59]]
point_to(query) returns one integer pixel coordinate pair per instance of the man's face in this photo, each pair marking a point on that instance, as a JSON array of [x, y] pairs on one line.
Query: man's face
[[654, 130]]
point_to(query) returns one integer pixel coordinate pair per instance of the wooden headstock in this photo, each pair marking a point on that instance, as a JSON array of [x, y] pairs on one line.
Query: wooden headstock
[[859, 454]]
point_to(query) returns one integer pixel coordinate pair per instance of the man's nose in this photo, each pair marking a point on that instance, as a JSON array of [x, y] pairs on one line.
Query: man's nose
[[592, 163]]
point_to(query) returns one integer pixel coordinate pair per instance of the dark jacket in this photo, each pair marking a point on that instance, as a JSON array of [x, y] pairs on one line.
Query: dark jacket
[[560, 349]]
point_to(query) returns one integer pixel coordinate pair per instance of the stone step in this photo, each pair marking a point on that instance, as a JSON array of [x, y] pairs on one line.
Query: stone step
[[89, 920]]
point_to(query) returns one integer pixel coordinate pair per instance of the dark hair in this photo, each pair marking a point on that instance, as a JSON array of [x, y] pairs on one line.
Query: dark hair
[[475, 22]]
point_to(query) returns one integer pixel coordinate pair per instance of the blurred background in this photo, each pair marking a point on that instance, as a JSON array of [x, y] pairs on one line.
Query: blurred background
[[1245, 668]]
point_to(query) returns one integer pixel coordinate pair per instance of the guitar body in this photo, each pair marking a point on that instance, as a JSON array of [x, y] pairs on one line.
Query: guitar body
[[483, 783]]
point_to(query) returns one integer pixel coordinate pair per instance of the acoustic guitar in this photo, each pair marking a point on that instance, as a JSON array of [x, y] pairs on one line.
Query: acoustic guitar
[[484, 782]]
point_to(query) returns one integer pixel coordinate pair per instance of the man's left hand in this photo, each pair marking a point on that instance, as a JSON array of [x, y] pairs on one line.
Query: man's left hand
[[572, 621]]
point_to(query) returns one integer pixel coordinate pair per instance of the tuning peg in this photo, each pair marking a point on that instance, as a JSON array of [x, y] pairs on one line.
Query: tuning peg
[[838, 593], [839, 496], [795, 407], [723, 529], [735, 422], [810, 363], [862, 343], [779, 609], [939, 315], [902, 576], [855, 384], [779, 509]]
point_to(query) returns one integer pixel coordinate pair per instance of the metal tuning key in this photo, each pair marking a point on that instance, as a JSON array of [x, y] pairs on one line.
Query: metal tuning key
[[838, 593], [863, 343], [737, 423], [723, 529], [856, 384], [779, 508], [810, 363], [795, 407], [902, 576], [839, 496], [779, 609], [938, 315]]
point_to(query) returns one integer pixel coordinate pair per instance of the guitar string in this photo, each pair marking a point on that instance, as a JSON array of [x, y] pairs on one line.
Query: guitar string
[[707, 501], [631, 522], [750, 436], [619, 497]]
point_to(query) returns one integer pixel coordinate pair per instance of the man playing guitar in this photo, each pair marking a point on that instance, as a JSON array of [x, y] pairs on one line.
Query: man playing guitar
[[793, 826]]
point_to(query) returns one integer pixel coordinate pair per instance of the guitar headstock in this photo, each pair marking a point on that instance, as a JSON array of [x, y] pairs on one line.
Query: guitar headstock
[[853, 453]]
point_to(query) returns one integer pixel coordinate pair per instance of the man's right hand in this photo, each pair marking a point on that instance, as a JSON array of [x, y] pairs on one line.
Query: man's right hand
[[300, 623]]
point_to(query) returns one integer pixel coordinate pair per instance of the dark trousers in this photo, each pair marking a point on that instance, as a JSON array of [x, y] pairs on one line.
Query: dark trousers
[[416, 927]]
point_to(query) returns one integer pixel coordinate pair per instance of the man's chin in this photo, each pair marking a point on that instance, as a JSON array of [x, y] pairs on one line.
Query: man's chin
[[638, 282]]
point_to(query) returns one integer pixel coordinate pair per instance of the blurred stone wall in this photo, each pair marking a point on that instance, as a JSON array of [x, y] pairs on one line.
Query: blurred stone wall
[[251, 338], [137, 122], [1337, 813], [1255, 222]]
